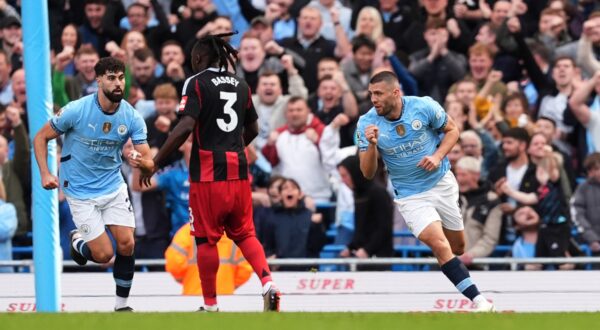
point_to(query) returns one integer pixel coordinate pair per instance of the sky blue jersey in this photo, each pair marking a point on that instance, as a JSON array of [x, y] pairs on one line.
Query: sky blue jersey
[[93, 140], [404, 142]]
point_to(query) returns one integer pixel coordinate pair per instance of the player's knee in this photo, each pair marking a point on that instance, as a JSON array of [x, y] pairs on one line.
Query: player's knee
[[439, 245], [125, 246], [458, 248], [102, 256]]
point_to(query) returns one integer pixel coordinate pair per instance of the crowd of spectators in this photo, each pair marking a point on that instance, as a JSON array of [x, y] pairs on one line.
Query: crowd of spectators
[[521, 78]]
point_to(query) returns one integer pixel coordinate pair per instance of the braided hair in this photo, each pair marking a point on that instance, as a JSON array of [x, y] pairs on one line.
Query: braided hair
[[216, 49]]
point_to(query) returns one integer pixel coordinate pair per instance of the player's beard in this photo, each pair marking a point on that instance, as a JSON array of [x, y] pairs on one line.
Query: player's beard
[[112, 96]]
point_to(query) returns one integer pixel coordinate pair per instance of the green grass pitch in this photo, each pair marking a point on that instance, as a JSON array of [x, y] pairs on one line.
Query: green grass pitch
[[304, 321]]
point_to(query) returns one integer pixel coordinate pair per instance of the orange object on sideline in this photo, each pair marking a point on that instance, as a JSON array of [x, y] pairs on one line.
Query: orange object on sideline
[[180, 257]]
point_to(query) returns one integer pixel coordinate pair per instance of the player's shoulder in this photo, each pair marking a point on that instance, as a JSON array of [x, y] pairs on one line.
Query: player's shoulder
[[370, 117], [419, 100], [82, 102], [129, 109]]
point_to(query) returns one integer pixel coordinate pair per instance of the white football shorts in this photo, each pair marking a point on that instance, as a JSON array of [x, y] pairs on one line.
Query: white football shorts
[[438, 203], [92, 215]]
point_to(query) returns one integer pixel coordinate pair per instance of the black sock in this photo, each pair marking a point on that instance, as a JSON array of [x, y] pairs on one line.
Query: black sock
[[84, 250], [458, 274], [123, 274]]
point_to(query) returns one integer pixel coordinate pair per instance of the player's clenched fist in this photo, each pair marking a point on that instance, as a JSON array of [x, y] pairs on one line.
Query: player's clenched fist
[[49, 181], [372, 133]]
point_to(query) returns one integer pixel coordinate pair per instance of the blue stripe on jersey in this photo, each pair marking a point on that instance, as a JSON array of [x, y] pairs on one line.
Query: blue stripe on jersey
[[93, 140], [56, 128], [404, 142]]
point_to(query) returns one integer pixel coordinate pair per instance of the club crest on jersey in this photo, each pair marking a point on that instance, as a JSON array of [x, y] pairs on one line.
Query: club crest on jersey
[[122, 130], [416, 125], [182, 103], [85, 229], [106, 127], [400, 130]]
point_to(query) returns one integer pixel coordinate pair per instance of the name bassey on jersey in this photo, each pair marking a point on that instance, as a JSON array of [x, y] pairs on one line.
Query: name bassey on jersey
[[225, 80], [222, 106], [404, 142]]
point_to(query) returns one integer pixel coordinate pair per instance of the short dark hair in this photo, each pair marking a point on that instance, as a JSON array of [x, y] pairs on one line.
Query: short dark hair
[[362, 41], [562, 58], [95, 2], [137, 4], [538, 48], [387, 76], [143, 54], [546, 118], [171, 42], [516, 96], [434, 23], [86, 49], [108, 64], [592, 161], [518, 133], [295, 99]]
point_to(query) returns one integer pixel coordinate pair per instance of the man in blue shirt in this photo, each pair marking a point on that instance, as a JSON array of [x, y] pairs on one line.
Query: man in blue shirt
[[406, 130], [95, 128]]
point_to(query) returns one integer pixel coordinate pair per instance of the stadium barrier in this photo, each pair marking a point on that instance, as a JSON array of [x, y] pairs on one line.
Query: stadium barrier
[[353, 263], [567, 291]]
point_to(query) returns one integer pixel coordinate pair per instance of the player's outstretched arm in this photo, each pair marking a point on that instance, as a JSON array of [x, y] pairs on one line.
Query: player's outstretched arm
[[174, 141], [141, 158], [40, 147], [136, 182]]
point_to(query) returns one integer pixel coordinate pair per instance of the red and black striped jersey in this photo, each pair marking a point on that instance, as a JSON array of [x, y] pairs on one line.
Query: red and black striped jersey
[[222, 105]]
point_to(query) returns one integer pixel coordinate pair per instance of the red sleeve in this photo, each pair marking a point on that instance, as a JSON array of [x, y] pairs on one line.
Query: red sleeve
[[318, 126], [191, 99]]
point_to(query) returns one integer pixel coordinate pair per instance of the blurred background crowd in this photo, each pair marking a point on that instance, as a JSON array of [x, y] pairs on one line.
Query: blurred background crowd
[[521, 78]]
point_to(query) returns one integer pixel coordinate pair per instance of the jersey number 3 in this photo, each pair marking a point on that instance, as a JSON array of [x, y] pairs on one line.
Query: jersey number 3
[[230, 99]]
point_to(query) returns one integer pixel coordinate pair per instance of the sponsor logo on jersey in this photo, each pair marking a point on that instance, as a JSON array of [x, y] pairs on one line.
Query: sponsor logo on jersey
[[106, 127], [182, 103]]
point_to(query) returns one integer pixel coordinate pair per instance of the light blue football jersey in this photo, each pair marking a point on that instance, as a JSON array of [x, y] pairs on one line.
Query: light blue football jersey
[[93, 140], [404, 142]]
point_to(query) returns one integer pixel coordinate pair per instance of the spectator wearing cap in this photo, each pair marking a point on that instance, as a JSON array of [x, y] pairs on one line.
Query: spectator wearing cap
[[261, 28], [12, 41], [480, 208]]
